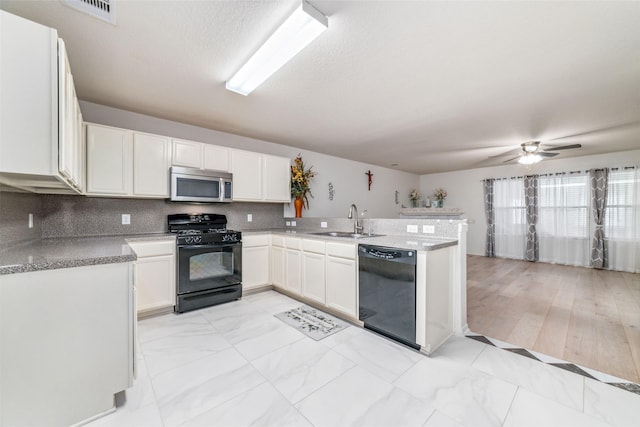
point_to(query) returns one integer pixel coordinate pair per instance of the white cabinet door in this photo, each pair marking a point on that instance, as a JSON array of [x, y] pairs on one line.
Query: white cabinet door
[[187, 153], [342, 288], [255, 266], [150, 165], [215, 158], [277, 266], [155, 282], [313, 274], [276, 179], [109, 157], [246, 167]]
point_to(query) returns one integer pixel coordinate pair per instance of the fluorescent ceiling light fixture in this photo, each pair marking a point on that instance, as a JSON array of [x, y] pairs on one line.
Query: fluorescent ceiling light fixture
[[301, 28], [529, 159]]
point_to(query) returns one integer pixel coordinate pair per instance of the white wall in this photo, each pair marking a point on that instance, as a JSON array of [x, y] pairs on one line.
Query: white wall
[[348, 177], [465, 189]]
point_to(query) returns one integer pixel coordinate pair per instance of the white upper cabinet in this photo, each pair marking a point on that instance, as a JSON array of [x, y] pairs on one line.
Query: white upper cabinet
[[260, 177], [109, 160], [151, 162], [276, 178], [246, 168], [39, 139], [121, 162], [200, 155]]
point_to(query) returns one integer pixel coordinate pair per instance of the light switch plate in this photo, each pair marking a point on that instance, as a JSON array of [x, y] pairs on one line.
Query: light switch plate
[[429, 229], [412, 228], [323, 224], [293, 223], [126, 219], [30, 220], [249, 217]]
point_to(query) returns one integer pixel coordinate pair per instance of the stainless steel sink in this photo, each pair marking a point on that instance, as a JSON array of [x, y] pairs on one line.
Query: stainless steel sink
[[345, 234]]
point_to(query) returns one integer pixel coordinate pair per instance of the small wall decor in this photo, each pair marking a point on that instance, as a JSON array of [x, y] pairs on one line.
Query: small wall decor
[[397, 194], [370, 175], [331, 191]]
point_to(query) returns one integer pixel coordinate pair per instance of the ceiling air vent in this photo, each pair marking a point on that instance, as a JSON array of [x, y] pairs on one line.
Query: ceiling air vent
[[101, 9]]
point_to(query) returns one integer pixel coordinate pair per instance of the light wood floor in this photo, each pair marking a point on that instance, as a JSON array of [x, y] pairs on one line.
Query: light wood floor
[[581, 315]]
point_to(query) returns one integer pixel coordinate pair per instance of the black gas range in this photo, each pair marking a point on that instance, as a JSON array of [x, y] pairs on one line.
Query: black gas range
[[209, 261]]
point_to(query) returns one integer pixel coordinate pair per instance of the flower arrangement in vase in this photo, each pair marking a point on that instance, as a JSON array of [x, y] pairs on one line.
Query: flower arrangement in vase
[[440, 194], [414, 196], [300, 187]]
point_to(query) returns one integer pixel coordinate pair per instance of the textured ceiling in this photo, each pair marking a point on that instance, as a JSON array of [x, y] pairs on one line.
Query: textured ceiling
[[429, 86]]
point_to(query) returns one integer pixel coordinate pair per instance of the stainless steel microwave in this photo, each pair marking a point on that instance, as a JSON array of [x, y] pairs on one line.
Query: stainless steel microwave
[[201, 186]]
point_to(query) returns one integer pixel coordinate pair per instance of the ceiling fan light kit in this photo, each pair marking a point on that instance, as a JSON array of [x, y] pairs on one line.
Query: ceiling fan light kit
[[303, 26], [529, 159]]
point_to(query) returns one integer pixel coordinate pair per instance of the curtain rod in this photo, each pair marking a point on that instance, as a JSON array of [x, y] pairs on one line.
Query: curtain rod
[[560, 173]]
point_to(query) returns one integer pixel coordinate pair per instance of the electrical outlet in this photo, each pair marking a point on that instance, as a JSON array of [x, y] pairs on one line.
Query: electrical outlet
[[429, 229], [249, 218], [30, 220], [323, 224], [287, 223], [412, 228], [126, 219]]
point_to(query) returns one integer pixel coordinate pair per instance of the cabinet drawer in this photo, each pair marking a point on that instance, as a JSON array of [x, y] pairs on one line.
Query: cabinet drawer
[[250, 241], [277, 240], [153, 248], [293, 243], [341, 250], [316, 246]]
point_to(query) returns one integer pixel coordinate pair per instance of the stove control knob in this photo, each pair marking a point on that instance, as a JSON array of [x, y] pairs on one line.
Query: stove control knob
[[197, 239]]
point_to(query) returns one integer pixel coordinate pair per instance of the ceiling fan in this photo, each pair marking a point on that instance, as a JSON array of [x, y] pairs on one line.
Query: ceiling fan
[[531, 152]]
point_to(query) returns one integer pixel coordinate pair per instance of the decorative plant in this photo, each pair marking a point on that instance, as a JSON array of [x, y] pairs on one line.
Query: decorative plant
[[414, 195], [300, 177], [440, 194]]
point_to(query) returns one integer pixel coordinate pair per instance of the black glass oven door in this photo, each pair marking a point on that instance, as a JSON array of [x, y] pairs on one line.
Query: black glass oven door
[[207, 267]]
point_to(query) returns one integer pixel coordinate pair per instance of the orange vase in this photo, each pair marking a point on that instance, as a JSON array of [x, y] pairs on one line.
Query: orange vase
[[298, 203]]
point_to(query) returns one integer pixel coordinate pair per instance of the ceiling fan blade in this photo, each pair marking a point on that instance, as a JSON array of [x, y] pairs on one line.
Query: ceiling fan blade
[[508, 153], [511, 159], [561, 147], [543, 154]]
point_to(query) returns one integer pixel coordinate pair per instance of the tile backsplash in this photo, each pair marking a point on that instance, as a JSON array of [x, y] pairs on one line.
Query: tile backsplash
[[14, 217]]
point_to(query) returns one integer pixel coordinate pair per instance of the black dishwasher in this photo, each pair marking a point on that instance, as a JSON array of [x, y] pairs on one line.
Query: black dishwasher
[[387, 289]]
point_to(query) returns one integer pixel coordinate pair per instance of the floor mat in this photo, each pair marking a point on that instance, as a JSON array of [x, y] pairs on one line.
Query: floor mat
[[311, 322]]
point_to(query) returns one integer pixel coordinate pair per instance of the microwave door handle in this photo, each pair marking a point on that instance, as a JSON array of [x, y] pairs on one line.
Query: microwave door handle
[[221, 190]]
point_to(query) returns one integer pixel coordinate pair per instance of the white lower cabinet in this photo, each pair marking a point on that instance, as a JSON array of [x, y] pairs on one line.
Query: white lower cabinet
[[155, 275], [341, 278], [68, 343], [293, 266], [277, 272], [255, 261], [313, 270]]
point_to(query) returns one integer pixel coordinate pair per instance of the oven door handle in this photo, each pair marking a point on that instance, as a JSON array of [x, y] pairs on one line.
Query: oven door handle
[[214, 246]]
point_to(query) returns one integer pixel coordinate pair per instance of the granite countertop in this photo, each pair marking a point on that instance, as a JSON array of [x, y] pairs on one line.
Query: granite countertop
[[50, 254], [418, 242]]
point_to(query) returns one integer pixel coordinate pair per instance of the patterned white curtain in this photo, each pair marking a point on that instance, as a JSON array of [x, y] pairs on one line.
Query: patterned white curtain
[[531, 203], [490, 246], [510, 218], [622, 220], [598, 205]]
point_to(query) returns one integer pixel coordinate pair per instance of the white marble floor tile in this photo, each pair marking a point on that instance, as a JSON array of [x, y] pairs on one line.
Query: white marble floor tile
[[172, 351], [146, 416], [342, 336], [606, 378], [273, 302], [554, 383], [260, 406], [438, 419], [140, 394], [378, 355], [262, 337], [358, 398], [186, 392], [226, 316], [532, 410], [170, 324], [301, 368], [459, 349], [464, 394], [611, 404]]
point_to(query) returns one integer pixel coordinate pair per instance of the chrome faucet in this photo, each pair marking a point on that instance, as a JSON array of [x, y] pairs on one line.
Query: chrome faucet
[[357, 227]]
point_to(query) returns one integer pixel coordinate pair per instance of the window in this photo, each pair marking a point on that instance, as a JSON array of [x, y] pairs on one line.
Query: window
[[622, 220], [510, 217]]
